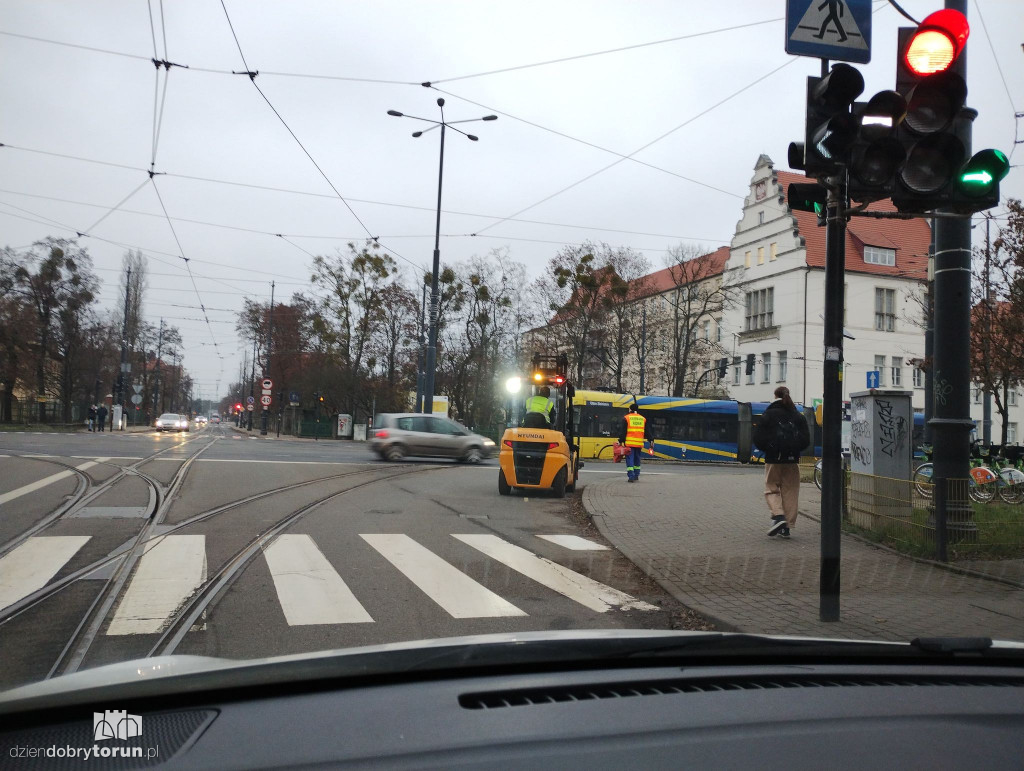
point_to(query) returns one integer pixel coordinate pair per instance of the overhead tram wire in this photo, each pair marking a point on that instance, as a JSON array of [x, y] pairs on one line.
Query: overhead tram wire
[[292, 191], [1017, 114], [564, 59], [585, 142], [251, 74], [654, 141]]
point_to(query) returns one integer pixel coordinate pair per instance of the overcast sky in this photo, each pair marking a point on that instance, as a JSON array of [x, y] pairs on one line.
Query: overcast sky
[[702, 108]]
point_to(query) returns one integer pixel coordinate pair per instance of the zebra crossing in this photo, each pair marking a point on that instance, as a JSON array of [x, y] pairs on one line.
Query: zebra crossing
[[308, 587]]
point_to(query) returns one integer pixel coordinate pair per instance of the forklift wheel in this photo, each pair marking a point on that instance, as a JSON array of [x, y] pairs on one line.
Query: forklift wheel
[[503, 485], [558, 488]]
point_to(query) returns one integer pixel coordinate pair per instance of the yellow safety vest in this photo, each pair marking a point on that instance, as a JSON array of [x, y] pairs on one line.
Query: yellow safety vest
[[540, 404], [635, 430]]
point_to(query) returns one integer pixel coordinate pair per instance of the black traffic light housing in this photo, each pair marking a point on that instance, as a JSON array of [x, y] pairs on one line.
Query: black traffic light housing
[[750, 363], [723, 366], [808, 196], [830, 128]]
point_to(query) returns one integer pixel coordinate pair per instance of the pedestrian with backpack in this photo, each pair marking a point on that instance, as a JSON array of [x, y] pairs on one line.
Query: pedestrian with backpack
[[782, 434]]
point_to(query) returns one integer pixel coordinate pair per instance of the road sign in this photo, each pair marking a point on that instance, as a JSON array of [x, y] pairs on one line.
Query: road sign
[[267, 384], [874, 378], [249, 407], [137, 399], [829, 29], [293, 398], [137, 388], [265, 400], [250, 399]]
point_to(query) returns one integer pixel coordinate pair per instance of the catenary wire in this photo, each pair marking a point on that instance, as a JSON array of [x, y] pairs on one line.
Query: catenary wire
[[649, 144]]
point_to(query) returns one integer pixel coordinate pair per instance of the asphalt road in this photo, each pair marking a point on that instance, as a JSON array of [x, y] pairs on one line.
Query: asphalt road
[[118, 546]]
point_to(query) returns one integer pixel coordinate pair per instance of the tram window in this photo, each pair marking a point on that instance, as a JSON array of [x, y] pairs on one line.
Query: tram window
[[600, 420]]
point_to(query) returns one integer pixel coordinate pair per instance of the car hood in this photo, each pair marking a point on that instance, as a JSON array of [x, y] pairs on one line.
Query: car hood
[[180, 673]]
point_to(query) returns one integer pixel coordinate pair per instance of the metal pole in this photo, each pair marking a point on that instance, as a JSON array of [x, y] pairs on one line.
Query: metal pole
[[265, 414], [422, 355], [952, 409], [159, 366], [929, 343], [124, 350], [252, 384], [987, 406], [832, 407], [428, 379]]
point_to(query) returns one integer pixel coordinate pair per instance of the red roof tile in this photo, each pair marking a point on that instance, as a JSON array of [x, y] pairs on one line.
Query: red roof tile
[[663, 280], [910, 238]]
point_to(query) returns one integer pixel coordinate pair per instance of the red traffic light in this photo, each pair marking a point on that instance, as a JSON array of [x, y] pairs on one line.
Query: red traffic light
[[238, 406], [937, 43]]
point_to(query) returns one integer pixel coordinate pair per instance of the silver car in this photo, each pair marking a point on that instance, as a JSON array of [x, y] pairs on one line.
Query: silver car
[[397, 435], [172, 421]]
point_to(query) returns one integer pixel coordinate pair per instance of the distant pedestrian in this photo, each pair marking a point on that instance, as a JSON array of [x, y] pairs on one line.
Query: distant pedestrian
[[101, 415], [92, 417], [782, 434], [632, 434]]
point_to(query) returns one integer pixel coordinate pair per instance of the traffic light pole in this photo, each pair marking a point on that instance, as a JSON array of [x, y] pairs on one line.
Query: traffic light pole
[[951, 424], [832, 396], [264, 417]]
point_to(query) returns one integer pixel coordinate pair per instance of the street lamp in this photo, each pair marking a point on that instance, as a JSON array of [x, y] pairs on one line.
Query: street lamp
[[431, 365]]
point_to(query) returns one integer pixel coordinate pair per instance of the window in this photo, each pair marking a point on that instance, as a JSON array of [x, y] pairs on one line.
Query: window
[[718, 330], [746, 260], [760, 255], [918, 377], [707, 330], [760, 218], [1011, 398], [897, 371], [736, 367], [1011, 433], [885, 310], [783, 362], [760, 309], [976, 391], [880, 366], [766, 368], [773, 251], [750, 375], [879, 255]]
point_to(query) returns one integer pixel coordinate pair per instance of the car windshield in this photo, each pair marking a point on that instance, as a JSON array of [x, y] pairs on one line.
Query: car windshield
[[333, 325]]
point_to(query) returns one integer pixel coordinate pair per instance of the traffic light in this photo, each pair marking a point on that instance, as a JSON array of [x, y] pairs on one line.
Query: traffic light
[[811, 197], [750, 364], [321, 398], [830, 127], [238, 407], [935, 133], [723, 366], [877, 153]]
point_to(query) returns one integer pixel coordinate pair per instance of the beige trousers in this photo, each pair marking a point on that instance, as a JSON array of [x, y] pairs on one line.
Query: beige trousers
[[782, 490]]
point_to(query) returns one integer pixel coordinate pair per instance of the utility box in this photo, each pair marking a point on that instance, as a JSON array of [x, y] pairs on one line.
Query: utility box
[[344, 430], [881, 458]]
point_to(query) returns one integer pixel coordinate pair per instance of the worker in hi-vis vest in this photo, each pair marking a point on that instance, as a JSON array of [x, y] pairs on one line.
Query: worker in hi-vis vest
[[632, 434], [542, 408]]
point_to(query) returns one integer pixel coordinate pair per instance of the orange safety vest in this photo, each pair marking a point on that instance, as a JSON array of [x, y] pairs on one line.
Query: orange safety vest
[[635, 430]]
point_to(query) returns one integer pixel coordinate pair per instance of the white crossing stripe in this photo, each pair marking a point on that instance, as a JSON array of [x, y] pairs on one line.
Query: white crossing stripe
[[171, 569], [574, 542], [569, 583], [32, 564], [449, 587], [33, 486], [308, 587]]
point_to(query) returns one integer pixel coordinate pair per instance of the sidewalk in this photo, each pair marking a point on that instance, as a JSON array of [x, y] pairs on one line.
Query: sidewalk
[[702, 536]]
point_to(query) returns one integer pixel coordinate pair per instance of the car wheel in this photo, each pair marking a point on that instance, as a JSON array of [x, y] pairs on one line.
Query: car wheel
[[395, 452], [503, 486], [558, 488], [473, 455]]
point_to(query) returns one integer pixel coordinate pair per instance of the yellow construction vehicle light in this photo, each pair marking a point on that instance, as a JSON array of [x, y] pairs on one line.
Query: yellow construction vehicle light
[[537, 376]]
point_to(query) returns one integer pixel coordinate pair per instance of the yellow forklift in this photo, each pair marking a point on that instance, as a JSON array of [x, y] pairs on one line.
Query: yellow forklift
[[539, 455]]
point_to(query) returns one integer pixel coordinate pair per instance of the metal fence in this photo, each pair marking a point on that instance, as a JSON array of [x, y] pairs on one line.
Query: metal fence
[[975, 523]]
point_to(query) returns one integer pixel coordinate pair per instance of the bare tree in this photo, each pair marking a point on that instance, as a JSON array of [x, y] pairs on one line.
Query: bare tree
[[698, 295]]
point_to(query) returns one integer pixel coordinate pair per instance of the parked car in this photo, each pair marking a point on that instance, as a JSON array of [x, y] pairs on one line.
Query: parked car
[[397, 435], [171, 421]]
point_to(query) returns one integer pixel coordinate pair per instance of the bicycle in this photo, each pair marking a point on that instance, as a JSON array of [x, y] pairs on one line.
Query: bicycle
[[819, 465], [989, 476]]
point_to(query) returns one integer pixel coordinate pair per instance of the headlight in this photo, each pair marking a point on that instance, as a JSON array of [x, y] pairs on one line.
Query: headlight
[[489, 442], [159, 423]]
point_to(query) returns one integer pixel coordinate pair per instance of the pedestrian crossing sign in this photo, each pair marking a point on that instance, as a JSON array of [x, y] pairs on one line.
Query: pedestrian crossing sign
[[829, 29]]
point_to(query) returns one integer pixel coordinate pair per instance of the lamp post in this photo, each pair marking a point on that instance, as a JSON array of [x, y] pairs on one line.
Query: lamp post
[[431, 363]]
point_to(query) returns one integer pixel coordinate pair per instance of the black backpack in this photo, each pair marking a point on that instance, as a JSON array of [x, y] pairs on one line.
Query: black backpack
[[787, 438]]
